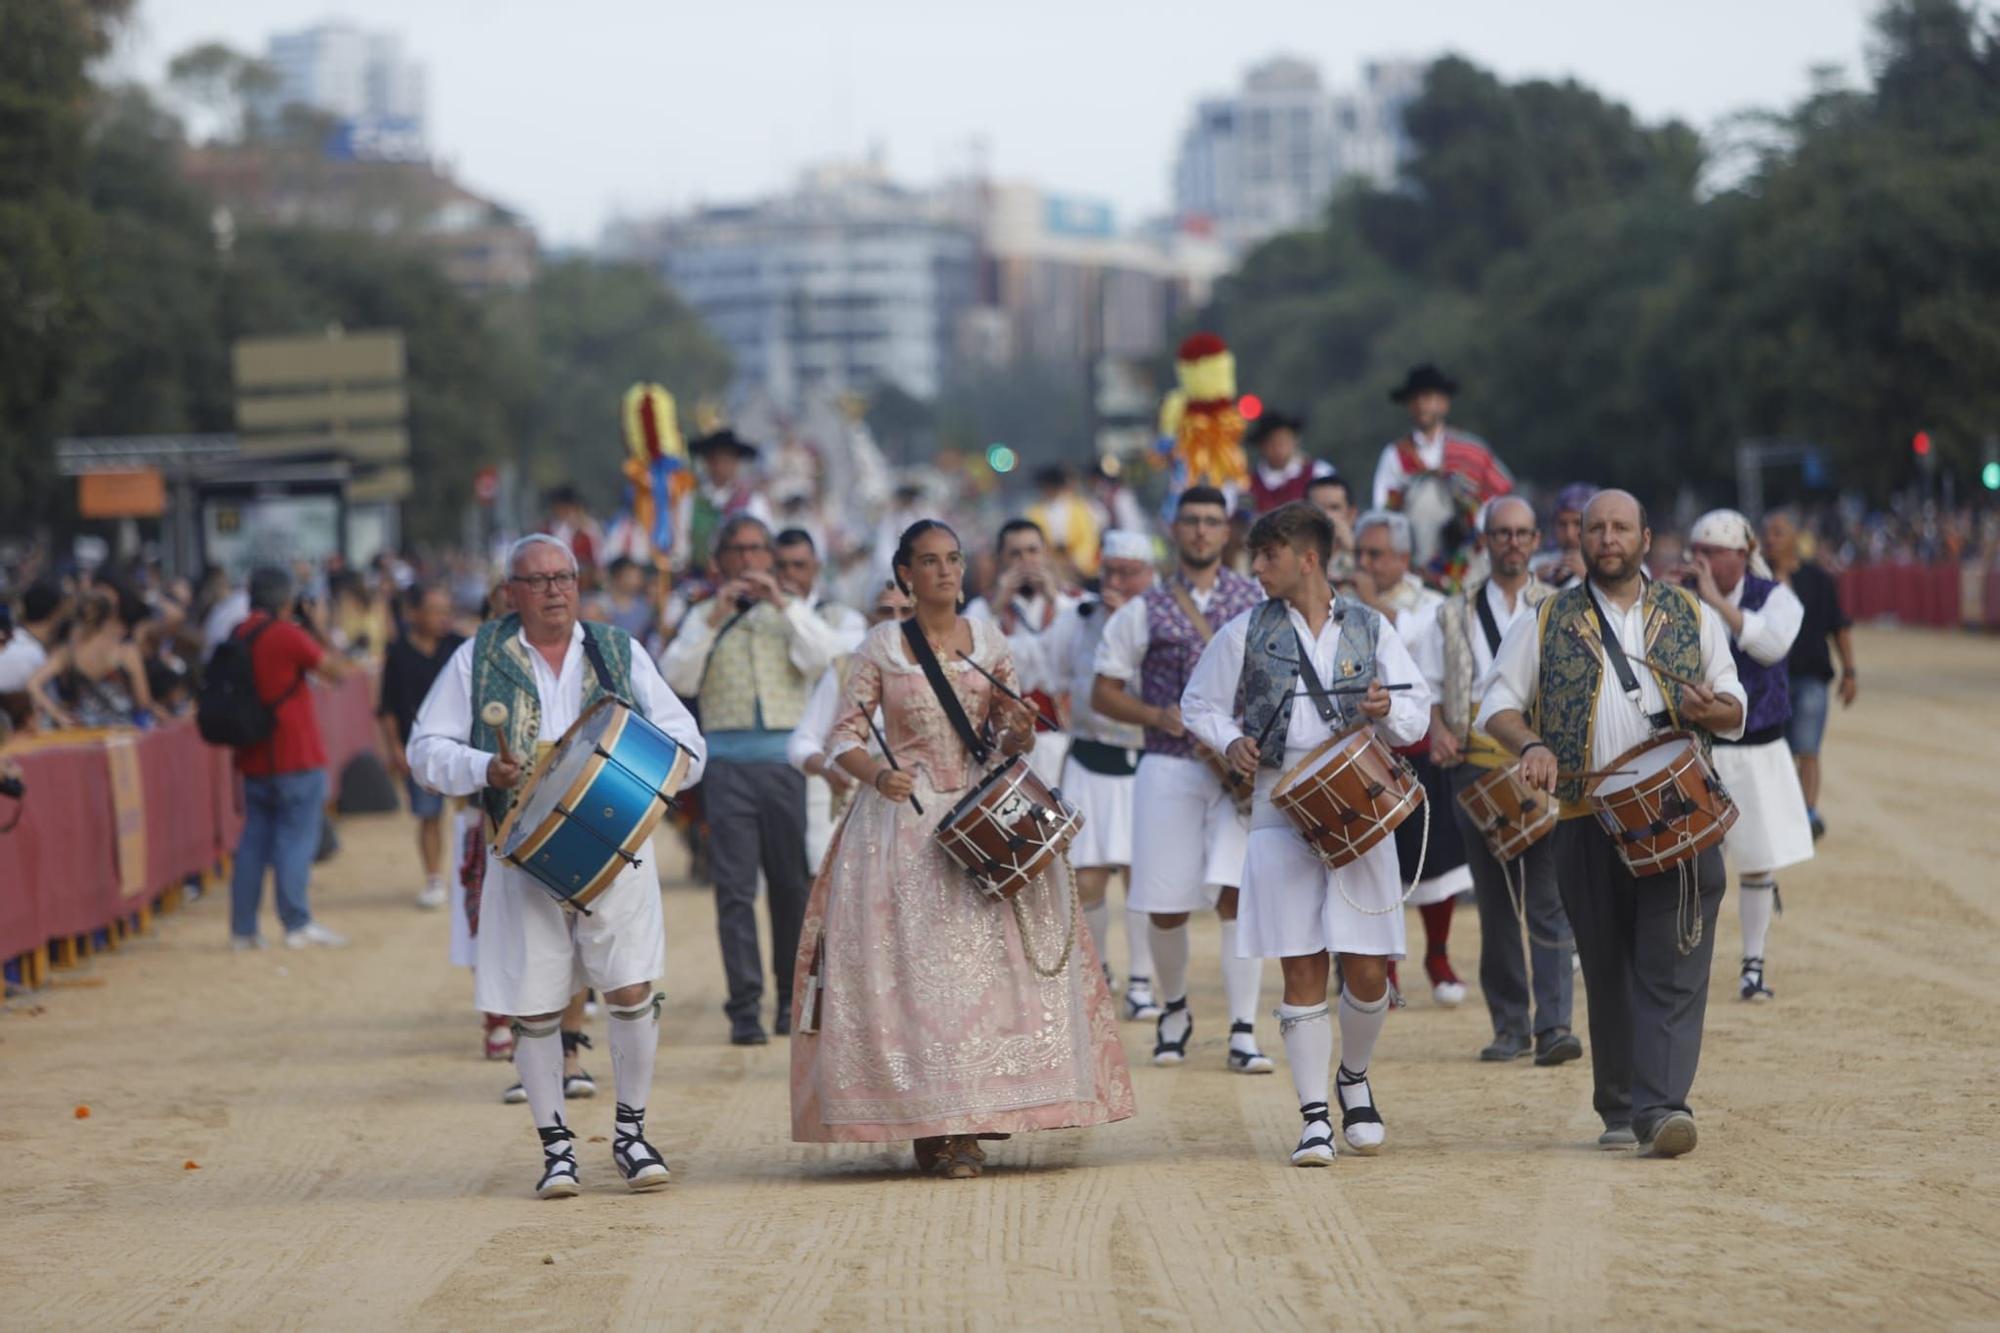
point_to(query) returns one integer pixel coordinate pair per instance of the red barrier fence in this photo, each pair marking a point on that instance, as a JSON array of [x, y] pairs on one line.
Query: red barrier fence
[[1939, 596], [63, 869]]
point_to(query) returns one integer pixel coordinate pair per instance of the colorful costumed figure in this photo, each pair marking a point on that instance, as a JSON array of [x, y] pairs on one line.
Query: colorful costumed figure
[[656, 472], [1201, 421]]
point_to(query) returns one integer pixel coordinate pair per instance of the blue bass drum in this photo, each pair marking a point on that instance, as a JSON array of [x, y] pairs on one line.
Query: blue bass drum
[[591, 803]]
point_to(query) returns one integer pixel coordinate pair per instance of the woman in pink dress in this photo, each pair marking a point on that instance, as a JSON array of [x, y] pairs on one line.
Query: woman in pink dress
[[930, 1022]]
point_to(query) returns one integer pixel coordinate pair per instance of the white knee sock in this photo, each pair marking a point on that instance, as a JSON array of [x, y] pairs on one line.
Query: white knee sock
[[1170, 961], [538, 1063], [1242, 979], [1098, 917], [1755, 902], [1308, 1038], [1360, 1024], [1138, 938], [635, 1044]]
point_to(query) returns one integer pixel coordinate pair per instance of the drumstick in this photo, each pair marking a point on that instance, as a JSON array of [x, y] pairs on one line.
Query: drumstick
[[889, 755], [999, 685], [1674, 676], [1564, 775], [495, 716]]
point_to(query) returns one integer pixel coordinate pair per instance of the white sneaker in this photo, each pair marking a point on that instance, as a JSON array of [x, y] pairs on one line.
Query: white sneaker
[[313, 933], [1450, 994], [245, 943], [431, 898]]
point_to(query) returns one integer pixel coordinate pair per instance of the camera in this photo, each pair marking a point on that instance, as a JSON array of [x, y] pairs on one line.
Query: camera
[[14, 787]]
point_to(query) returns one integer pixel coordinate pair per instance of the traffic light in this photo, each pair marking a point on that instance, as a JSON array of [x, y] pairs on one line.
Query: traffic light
[[1989, 476], [1921, 444], [1250, 407]]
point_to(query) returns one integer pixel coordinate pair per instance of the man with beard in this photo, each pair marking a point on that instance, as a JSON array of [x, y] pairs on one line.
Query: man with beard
[[1568, 696], [1188, 830]]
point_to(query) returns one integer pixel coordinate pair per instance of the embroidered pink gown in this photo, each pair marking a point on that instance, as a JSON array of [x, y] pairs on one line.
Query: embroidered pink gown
[[931, 1021]]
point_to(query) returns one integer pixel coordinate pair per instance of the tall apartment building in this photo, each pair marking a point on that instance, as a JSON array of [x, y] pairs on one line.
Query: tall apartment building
[[362, 79], [1267, 157]]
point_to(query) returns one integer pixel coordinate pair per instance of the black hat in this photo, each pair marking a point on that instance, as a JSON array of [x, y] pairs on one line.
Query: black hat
[[718, 440], [1423, 379], [1270, 423]]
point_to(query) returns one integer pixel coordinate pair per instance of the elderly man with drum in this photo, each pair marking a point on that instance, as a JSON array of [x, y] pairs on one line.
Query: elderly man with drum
[[1456, 649], [1361, 688], [515, 688], [1583, 692]]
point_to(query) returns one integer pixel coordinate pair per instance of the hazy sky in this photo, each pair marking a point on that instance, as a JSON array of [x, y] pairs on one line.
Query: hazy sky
[[576, 111]]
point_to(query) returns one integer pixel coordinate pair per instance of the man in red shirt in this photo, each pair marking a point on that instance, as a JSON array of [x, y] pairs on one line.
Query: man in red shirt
[[284, 777]]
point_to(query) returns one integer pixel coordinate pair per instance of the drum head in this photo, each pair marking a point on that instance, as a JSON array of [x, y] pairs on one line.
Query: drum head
[[1640, 763], [565, 764]]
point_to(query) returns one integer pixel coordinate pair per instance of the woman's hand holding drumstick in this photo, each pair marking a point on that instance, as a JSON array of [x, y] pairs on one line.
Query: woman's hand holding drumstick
[[501, 771]]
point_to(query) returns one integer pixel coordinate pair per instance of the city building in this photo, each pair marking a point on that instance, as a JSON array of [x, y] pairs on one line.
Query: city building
[[362, 80], [1269, 156], [846, 283]]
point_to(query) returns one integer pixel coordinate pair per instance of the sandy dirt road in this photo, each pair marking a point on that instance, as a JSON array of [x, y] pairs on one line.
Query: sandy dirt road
[[356, 1168]]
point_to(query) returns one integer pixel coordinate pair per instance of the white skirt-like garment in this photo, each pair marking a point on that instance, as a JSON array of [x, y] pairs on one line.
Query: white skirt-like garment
[[534, 953], [1292, 906], [1772, 828], [1187, 838], [1106, 804]]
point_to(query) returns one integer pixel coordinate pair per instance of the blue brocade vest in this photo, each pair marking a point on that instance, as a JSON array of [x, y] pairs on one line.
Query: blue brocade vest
[[1271, 672]]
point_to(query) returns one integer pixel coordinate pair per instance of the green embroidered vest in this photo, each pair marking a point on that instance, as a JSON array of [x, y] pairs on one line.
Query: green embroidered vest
[[1572, 671], [503, 672]]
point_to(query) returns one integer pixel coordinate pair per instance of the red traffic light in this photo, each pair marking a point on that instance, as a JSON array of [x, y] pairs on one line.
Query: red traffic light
[[1250, 407], [1921, 444]]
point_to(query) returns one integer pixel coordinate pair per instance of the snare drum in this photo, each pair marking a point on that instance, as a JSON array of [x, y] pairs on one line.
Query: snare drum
[[1009, 829], [1509, 814], [1347, 795], [591, 802], [1661, 803]]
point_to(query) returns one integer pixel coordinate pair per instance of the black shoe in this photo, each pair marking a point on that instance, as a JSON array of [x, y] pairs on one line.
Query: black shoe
[[1505, 1046], [1557, 1046], [750, 1036], [639, 1161], [782, 1026], [558, 1163], [1818, 825], [1172, 1052], [1750, 986]]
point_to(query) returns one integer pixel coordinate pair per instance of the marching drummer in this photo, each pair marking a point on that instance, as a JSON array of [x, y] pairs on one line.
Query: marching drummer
[[1599, 669], [1351, 669], [536, 670]]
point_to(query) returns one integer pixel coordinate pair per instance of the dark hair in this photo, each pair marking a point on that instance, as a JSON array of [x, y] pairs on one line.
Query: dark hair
[[619, 564], [1269, 424], [1201, 495], [796, 537], [1014, 525], [270, 589], [1331, 479], [413, 596], [734, 524], [42, 600], [1055, 474], [1297, 525], [904, 553]]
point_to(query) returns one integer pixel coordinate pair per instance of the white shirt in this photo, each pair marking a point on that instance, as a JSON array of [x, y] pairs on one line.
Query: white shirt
[[20, 660], [224, 617], [1128, 634], [1031, 613], [1071, 648], [1768, 631], [1208, 705], [1389, 473], [814, 645], [822, 708], [1427, 647], [443, 761], [1619, 723]]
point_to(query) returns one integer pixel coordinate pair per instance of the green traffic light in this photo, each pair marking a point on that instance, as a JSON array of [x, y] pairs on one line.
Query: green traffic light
[[1989, 476]]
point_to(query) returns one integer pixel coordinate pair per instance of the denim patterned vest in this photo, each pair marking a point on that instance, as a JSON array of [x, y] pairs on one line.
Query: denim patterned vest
[[1767, 687], [1271, 671], [1572, 671], [502, 671], [1173, 645]]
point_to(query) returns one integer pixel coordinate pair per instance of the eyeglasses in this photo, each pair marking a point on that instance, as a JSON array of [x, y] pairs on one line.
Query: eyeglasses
[[540, 583], [1521, 535]]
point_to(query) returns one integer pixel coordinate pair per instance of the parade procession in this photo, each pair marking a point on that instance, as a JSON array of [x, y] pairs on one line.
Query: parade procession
[[1115, 808]]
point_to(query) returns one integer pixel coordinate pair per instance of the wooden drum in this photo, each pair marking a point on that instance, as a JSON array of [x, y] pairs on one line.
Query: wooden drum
[[1347, 795], [1661, 803], [1511, 815]]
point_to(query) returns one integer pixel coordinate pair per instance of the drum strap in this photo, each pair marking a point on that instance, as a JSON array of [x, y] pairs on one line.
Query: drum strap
[[1322, 702], [1487, 624], [604, 681], [947, 697], [1612, 648]]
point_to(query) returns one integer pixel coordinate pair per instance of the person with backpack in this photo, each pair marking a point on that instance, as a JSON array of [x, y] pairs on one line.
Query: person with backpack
[[255, 698]]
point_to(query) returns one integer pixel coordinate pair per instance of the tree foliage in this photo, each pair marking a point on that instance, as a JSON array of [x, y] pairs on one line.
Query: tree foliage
[[1611, 320]]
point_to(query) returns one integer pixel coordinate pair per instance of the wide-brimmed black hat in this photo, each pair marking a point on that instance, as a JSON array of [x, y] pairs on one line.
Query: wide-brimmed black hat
[[1423, 379], [716, 441], [1271, 422]]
